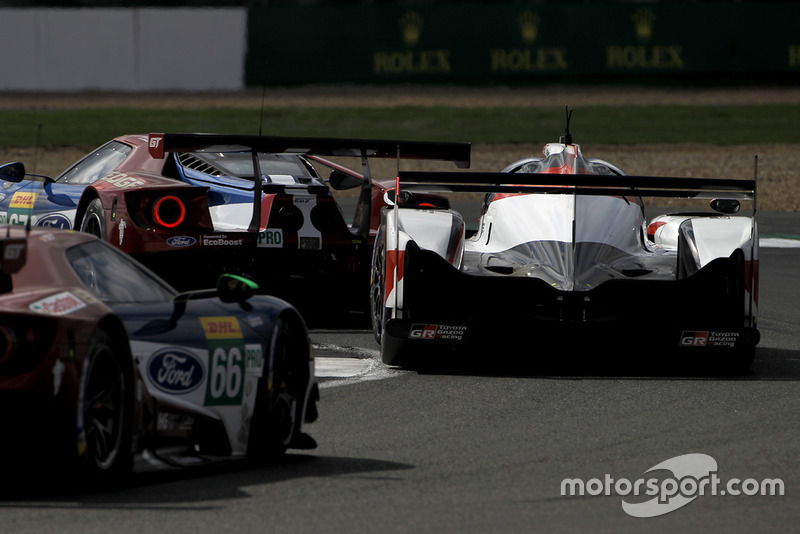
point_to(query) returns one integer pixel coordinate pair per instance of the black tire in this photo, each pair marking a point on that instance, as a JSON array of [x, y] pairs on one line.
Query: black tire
[[94, 220], [278, 412], [104, 413], [377, 284]]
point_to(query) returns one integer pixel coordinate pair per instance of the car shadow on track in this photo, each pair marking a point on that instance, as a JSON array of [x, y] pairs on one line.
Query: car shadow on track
[[769, 364], [182, 488]]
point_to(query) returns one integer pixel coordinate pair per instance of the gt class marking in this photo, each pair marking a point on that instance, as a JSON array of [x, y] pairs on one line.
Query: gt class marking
[[174, 370]]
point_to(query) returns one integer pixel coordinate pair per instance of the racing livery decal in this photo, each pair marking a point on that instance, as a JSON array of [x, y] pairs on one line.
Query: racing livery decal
[[21, 207], [270, 238], [437, 331], [59, 304], [55, 220], [175, 370], [226, 360], [709, 339]]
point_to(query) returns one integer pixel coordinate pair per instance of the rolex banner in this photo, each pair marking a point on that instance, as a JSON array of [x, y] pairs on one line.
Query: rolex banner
[[515, 42]]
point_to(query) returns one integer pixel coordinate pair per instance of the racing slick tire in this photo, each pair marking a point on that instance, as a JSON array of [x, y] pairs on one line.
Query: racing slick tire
[[105, 409], [377, 284], [94, 220], [277, 414]]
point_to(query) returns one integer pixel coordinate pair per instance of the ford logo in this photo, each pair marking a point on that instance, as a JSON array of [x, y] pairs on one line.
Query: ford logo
[[175, 370], [181, 241], [55, 220]]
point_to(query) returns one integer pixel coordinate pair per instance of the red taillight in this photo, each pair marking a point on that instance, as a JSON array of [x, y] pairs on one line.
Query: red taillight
[[651, 230], [169, 211]]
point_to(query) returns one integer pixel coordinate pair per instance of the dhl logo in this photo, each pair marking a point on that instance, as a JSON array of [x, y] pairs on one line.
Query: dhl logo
[[23, 200], [221, 327]]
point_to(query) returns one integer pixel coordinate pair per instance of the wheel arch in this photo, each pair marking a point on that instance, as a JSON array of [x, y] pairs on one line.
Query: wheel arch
[[89, 194]]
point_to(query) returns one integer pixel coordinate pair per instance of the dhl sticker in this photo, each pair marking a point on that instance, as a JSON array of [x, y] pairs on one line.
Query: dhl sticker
[[221, 327], [23, 200]]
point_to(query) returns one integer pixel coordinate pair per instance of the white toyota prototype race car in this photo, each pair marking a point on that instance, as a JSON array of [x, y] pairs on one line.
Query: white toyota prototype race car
[[564, 256]]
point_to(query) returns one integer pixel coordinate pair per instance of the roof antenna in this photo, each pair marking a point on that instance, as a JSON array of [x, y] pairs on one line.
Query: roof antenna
[[567, 137], [263, 96]]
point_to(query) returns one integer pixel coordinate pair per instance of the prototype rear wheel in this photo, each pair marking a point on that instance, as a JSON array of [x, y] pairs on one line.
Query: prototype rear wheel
[[94, 220], [377, 284]]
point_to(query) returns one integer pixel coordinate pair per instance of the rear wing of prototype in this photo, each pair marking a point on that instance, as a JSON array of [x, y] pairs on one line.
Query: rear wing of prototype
[[579, 184]]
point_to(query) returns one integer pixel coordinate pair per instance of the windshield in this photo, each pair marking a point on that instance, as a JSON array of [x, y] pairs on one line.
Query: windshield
[[96, 165], [566, 159], [113, 277]]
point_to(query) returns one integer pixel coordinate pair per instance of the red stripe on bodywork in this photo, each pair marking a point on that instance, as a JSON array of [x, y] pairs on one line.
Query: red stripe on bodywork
[[392, 264]]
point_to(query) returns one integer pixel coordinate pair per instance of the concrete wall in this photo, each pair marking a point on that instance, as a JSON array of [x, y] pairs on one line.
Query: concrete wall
[[122, 49]]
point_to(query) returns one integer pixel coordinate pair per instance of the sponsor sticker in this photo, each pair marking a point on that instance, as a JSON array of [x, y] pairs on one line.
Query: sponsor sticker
[[55, 220], [253, 359], [441, 332], [220, 241], [123, 180], [709, 339], [180, 241], [226, 366], [62, 303], [175, 370], [20, 208], [270, 238]]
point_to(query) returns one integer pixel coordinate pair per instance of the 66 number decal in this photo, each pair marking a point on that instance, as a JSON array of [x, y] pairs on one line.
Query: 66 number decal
[[226, 366]]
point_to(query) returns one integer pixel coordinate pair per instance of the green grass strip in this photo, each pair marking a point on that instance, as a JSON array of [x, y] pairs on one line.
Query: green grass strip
[[717, 125]]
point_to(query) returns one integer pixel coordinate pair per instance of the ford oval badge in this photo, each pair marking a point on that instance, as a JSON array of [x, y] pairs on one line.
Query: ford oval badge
[[175, 370], [181, 241]]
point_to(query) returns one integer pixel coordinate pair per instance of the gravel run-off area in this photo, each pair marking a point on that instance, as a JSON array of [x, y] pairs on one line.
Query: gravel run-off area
[[778, 164]]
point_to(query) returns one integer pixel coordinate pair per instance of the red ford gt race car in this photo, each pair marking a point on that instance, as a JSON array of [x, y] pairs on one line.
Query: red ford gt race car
[[564, 257], [188, 207], [105, 368]]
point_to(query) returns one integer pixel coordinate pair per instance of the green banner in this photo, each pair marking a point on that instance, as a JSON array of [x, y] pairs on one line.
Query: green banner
[[516, 42]]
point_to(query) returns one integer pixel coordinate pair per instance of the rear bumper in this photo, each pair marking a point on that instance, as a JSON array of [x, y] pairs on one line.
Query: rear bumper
[[447, 311]]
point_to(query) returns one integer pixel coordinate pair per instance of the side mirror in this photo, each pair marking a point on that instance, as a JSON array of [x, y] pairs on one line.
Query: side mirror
[[342, 181], [725, 205], [12, 172], [235, 288]]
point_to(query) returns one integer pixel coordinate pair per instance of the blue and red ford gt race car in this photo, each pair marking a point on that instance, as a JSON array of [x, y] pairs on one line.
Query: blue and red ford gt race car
[[188, 207], [104, 368]]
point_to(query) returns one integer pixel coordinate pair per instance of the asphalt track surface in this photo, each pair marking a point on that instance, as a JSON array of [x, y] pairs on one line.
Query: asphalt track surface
[[487, 451]]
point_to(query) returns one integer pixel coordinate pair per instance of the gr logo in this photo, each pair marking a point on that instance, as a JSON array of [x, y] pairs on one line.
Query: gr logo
[[694, 339], [422, 331]]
